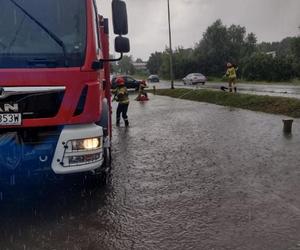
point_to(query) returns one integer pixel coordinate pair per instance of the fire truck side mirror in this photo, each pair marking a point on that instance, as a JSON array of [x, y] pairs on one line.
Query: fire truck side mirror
[[122, 44], [119, 14], [120, 25]]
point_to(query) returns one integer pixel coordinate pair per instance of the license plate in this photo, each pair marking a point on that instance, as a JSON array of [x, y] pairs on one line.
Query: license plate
[[11, 119]]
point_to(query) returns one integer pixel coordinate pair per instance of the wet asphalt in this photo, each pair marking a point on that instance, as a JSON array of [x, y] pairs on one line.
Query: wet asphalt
[[185, 175], [274, 89]]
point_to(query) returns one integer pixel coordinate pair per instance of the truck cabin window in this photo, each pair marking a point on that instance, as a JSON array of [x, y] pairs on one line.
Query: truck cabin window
[[47, 33]]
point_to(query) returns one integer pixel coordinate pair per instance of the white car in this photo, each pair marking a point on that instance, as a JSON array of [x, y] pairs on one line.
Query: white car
[[153, 78], [194, 78]]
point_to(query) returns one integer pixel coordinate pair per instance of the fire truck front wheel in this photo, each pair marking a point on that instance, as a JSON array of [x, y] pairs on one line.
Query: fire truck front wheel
[[104, 173]]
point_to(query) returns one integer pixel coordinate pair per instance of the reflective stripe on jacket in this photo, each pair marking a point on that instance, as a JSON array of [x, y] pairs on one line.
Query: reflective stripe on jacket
[[231, 73], [122, 95]]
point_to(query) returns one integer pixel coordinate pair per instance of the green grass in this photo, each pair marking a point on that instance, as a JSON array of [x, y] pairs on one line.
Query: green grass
[[140, 76], [268, 104], [216, 79], [296, 81]]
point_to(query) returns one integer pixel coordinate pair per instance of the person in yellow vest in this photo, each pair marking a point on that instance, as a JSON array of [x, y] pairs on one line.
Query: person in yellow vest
[[231, 75], [121, 96]]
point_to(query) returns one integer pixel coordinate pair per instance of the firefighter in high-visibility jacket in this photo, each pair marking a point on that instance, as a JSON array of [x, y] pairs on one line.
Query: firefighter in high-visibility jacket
[[142, 93], [121, 96], [231, 75]]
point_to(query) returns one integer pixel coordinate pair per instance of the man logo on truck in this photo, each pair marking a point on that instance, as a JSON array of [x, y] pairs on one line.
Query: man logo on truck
[[6, 107]]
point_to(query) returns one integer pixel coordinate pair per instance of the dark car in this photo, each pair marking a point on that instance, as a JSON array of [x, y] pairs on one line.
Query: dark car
[[153, 78], [130, 82]]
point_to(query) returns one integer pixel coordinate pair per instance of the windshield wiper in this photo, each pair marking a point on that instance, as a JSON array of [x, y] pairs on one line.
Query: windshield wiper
[[49, 32], [41, 62]]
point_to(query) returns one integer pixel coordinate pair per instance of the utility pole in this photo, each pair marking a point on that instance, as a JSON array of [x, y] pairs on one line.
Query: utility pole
[[170, 48]]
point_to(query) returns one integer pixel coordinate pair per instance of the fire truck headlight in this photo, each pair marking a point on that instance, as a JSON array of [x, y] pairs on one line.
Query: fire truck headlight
[[90, 144]]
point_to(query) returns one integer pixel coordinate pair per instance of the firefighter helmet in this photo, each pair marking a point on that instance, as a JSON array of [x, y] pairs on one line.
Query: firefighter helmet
[[120, 81]]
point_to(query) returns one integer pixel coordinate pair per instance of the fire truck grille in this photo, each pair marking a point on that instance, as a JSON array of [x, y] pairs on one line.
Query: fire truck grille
[[38, 105]]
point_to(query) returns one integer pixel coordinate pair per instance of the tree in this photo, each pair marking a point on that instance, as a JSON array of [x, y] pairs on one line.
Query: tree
[[164, 69], [125, 66], [282, 48], [138, 60], [288, 51], [154, 63], [250, 45], [221, 44], [236, 36], [213, 49], [295, 47], [184, 62], [261, 66]]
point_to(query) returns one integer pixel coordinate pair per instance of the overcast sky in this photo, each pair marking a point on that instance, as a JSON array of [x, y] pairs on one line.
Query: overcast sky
[[270, 20]]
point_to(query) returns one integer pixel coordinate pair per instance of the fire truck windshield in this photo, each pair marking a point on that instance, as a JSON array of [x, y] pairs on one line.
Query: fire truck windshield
[[48, 33]]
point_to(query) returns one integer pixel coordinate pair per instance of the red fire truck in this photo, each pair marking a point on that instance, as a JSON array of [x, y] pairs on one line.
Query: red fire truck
[[55, 103]]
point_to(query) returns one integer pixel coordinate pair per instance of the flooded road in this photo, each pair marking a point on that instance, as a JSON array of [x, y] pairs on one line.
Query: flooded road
[[261, 89], [186, 175]]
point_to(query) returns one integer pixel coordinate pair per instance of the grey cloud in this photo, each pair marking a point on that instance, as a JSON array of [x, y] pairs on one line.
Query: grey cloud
[[270, 20]]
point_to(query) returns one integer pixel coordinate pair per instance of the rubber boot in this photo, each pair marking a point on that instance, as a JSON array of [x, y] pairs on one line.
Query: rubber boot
[[235, 90], [118, 123], [126, 123]]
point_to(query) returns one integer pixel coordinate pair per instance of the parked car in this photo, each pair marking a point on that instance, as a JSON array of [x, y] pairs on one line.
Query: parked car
[[153, 78], [130, 82], [194, 78]]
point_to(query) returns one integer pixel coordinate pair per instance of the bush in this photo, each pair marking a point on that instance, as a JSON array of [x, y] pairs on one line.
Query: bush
[[261, 67]]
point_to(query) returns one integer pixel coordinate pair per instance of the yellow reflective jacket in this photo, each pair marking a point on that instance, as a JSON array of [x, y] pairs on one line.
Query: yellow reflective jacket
[[231, 72], [121, 95]]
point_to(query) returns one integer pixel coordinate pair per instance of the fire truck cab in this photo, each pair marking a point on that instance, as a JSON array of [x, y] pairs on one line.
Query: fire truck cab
[[55, 103]]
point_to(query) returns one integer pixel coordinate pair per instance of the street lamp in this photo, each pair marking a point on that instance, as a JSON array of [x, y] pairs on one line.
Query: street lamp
[[170, 47]]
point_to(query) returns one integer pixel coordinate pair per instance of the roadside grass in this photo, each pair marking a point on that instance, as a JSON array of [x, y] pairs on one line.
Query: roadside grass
[[268, 104], [140, 76], [296, 81], [216, 79]]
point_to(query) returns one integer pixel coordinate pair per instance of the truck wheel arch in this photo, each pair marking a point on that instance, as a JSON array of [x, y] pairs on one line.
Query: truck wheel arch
[[104, 118]]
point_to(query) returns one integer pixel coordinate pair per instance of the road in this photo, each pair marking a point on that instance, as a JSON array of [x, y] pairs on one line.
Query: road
[[186, 175], [258, 89]]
